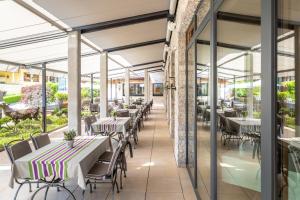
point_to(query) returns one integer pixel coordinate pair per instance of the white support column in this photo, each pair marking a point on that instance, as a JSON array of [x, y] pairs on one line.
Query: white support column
[[103, 84], [74, 79], [249, 69], [146, 85], [126, 89]]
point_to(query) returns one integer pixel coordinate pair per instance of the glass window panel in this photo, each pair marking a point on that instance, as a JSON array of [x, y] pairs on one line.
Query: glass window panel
[[203, 113], [239, 101], [288, 92], [191, 122]]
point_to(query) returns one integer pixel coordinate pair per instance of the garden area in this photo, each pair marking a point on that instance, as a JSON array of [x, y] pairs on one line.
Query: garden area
[[18, 116], [285, 97]]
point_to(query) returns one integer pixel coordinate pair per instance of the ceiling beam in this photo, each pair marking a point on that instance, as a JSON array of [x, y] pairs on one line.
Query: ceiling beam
[[35, 38], [150, 67], [147, 63], [136, 45], [156, 71], [254, 20], [123, 22], [225, 45]]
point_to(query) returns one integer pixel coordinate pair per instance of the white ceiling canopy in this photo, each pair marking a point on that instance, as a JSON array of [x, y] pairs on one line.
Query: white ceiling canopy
[[17, 22], [90, 12]]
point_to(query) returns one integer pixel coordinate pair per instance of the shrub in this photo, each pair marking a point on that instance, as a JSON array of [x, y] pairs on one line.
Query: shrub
[[61, 96], [61, 121], [52, 89], [14, 98], [32, 94]]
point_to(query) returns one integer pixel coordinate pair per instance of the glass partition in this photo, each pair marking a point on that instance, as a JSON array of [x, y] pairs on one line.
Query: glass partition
[[288, 100], [191, 114], [239, 99], [203, 112]]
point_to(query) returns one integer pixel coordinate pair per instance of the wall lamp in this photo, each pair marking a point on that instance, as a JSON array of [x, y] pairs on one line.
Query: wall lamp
[[172, 83]]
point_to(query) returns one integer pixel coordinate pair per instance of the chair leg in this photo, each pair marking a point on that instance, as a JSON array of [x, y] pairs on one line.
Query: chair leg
[[121, 183], [17, 192], [30, 188], [46, 193]]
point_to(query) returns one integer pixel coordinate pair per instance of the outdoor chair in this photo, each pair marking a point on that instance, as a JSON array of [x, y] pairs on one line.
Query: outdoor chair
[[122, 163], [15, 151], [88, 121], [231, 131], [133, 132], [132, 107], [94, 108], [40, 140], [230, 113], [140, 118], [123, 113], [102, 172]]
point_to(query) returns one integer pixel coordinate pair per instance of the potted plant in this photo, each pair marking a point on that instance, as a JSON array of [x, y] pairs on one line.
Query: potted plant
[[113, 114], [69, 138], [60, 98], [244, 114]]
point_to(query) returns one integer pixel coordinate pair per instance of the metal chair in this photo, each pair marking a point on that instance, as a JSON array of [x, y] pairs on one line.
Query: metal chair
[[88, 121], [231, 131], [94, 108], [122, 113], [40, 140], [15, 151], [122, 163], [132, 107], [105, 172]]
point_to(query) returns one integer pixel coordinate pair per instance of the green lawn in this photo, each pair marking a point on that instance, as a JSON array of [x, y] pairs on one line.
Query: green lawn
[[9, 132]]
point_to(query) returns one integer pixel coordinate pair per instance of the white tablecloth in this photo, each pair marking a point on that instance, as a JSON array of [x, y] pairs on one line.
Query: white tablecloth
[[247, 125], [78, 166], [119, 125]]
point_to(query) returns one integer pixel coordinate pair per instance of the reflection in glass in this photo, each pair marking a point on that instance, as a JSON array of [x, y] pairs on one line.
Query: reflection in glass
[[288, 101], [203, 113], [239, 100]]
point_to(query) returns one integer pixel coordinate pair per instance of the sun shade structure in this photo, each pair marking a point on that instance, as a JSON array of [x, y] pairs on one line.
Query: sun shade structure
[[133, 35]]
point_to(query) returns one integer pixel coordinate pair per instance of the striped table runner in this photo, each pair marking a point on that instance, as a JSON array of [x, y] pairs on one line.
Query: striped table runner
[[54, 162], [109, 125]]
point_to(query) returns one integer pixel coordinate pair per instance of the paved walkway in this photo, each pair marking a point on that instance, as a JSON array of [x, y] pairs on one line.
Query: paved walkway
[[152, 172]]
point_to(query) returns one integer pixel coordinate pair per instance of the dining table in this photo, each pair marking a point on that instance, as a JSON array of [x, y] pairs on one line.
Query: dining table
[[110, 124], [57, 160], [246, 125]]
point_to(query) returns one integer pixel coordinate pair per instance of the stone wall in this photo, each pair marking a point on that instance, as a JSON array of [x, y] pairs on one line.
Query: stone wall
[[185, 12]]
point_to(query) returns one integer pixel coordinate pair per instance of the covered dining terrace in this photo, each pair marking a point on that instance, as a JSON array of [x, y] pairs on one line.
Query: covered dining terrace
[[82, 101]]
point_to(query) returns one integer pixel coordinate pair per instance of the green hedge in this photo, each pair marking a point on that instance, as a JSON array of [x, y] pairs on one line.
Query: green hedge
[[12, 98]]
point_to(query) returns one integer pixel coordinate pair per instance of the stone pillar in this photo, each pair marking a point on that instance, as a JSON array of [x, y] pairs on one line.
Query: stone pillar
[[74, 79], [103, 84], [146, 85], [172, 96], [249, 80], [127, 88], [179, 108]]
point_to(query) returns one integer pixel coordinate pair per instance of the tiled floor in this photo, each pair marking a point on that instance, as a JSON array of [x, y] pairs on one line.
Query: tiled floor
[[152, 172]]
